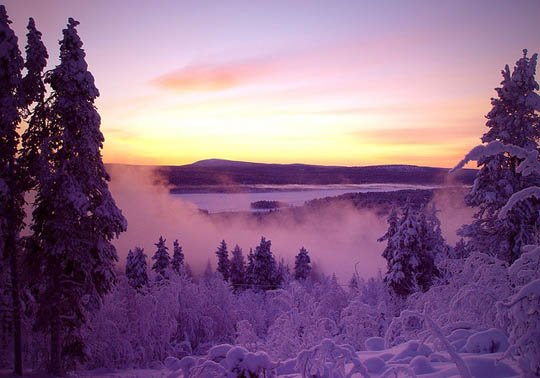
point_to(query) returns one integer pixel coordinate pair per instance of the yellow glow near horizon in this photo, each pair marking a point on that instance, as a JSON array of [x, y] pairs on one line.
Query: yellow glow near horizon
[[173, 131], [344, 82]]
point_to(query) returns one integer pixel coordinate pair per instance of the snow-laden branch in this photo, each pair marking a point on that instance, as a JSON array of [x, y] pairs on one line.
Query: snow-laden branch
[[529, 165], [476, 153], [463, 370], [531, 291], [533, 101], [531, 192]]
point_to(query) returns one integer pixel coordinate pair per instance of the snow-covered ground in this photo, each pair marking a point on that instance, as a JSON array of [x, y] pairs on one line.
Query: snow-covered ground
[[409, 359]]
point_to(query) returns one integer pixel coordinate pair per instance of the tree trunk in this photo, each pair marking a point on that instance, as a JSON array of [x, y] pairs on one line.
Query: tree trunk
[[55, 366], [11, 249]]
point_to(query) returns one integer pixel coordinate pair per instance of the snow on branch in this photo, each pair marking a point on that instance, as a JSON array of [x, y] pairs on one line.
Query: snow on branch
[[531, 192], [529, 165], [530, 291], [521, 313], [533, 101], [436, 331]]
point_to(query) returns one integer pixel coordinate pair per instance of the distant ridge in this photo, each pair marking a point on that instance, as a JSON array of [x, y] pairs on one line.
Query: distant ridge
[[236, 163], [220, 163], [220, 172]]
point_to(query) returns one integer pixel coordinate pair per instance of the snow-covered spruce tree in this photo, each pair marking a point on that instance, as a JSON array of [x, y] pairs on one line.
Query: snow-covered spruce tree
[[75, 217], [398, 275], [41, 138], [36, 59], [440, 249], [410, 253], [237, 269], [136, 269], [393, 226], [162, 260], [177, 262], [302, 266], [223, 265], [432, 245], [11, 188], [249, 277], [512, 120], [264, 268]]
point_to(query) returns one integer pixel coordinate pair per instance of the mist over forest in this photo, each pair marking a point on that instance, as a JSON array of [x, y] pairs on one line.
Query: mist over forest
[[351, 225]]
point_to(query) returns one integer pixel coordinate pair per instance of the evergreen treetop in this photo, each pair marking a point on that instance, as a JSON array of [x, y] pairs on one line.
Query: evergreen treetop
[[237, 268], [263, 271], [136, 268], [177, 262], [302, 266], [161, 259], [11, 65], [223, 265], [41, 138], [36, 61]]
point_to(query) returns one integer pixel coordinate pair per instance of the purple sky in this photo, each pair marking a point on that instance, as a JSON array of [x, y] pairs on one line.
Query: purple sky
[[327, 82]]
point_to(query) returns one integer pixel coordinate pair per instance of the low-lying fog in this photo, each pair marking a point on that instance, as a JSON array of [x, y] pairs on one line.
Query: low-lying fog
[[336, 238]]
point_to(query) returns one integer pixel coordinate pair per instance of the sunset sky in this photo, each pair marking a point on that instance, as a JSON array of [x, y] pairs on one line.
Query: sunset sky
[[323, 82]]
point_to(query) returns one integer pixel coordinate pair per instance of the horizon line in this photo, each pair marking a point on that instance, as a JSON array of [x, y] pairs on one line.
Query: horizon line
[[287, 164]]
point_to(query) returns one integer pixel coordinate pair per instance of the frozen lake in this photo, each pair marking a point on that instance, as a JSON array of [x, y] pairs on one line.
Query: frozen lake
[[291, 195]]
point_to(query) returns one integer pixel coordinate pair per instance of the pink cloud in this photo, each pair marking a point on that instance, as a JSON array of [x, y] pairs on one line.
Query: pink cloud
[[213, 77], [319, 63]]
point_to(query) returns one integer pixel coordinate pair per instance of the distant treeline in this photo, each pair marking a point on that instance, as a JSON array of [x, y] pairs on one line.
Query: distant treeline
[[379, 202], [382, 202], [228, 173], [267, 205]]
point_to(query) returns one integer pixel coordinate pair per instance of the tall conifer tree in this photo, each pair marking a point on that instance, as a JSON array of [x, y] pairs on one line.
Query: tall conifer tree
[[237, 268], [136, 269], [263, 270], [162, 260], [302, 265], [223, 265], [75, 216], [412, 244], [513, 119], [37, 140], [177, 262], [11, 188]]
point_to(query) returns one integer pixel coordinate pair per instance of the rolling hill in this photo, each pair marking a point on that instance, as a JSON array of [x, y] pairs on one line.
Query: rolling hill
[[227, 173]]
